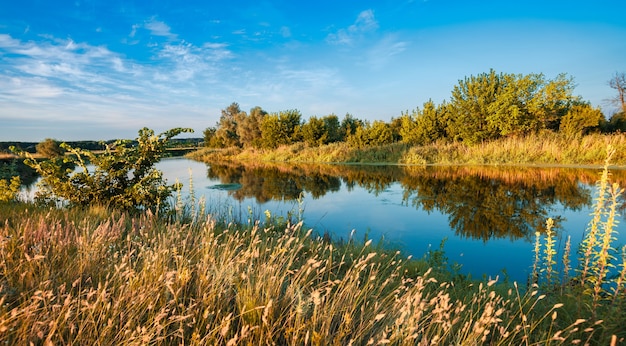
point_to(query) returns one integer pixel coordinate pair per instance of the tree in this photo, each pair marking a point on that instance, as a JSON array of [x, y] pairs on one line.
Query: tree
[[618, 82], [280, 128], [491, 105], [49, 148], [122, 177], [226, 132], [379, 133], [210, 139], [249, 127], [333, 128], [423, 126], [470, 103], [314, 132], [348, 126], [581, 119]]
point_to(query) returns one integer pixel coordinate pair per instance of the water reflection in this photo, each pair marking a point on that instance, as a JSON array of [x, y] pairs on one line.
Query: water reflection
[[480, 202]]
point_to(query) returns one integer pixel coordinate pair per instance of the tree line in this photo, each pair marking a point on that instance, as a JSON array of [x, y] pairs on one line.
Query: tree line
[[485, 107]]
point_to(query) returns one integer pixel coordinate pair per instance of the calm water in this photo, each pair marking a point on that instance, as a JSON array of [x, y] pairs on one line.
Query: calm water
[[488, 215]]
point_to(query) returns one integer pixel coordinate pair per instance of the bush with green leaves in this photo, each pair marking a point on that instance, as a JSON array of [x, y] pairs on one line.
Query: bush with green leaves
[[122, 177], [9, 190]]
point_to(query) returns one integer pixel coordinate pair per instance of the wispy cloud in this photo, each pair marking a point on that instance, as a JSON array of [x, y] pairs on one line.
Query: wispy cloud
[[66, 80], [364, 23], [159, 28], [384, 51]]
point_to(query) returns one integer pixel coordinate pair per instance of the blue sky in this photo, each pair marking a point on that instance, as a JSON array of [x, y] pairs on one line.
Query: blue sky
[[77, 70]]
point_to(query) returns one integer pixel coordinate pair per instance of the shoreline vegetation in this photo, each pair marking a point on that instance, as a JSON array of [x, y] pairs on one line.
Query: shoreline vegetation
[[126, 268], [93, 274], [545, 150]]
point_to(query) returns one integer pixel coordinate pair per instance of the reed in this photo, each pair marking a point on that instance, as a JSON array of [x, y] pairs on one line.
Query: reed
[[97, 276], [545, 148], [100, 276], [597, 290]]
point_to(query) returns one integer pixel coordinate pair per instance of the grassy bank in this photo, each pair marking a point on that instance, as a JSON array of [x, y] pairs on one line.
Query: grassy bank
[[542, 149], [98, 276]]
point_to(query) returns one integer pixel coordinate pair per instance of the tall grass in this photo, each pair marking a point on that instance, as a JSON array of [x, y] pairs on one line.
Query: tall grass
[[597, 288], [100, 276], [546, 148], [96, 276]]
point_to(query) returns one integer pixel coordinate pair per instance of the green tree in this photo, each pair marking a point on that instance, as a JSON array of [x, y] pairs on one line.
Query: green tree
[[49, 148], [280, 128], [122, 177], [314, 132], [423, 126], [616, 123], [581, 119], [359, 138], [349, 125], [492, 105], [210, 139], [249, 127], [333, 128], [226, 132], [470, 103], [379, 133]]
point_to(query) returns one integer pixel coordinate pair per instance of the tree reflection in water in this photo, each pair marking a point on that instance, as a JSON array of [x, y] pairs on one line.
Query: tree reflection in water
[[480, 202]]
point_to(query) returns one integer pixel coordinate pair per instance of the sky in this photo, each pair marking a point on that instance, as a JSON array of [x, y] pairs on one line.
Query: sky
[[100, 70]]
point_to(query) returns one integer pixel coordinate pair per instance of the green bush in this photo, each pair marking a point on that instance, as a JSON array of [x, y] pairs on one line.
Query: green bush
[[123, 176]]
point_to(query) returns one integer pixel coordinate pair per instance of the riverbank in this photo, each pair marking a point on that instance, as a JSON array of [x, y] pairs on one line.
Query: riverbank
[[548, 149]]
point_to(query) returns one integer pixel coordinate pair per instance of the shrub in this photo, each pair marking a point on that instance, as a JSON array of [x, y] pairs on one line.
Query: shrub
[[122, 177]]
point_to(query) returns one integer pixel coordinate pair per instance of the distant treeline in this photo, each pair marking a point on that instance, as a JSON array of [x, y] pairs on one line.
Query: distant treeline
[[481, 108], [31, 147]]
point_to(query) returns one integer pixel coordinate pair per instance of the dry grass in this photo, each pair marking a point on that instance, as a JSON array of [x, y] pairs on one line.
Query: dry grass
[[76, 277], [540, 149], [98, 276]]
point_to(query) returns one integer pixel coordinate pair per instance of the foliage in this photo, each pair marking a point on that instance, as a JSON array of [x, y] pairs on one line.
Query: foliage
[[581, 119], [492, 105], [49, 148], [226, 132], [249, 127], [423, 126], [122, 177], [377, 133], [617, 123], [349, 124], [280, 128], [9, 190], [314, 132], [210, 139]]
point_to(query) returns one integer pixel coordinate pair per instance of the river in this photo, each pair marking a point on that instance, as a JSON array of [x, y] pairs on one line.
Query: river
[[487, 215]]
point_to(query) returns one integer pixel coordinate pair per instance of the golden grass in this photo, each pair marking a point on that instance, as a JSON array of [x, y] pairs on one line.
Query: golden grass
[[538, 149], [99, 276], [75, 277]]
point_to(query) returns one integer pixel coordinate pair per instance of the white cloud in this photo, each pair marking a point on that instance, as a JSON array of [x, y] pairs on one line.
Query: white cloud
[[27, 89], [364, 23], [159, 28]]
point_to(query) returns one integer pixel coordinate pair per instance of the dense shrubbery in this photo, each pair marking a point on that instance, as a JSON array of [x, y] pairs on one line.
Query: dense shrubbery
[[481, 108], [123, 176]]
